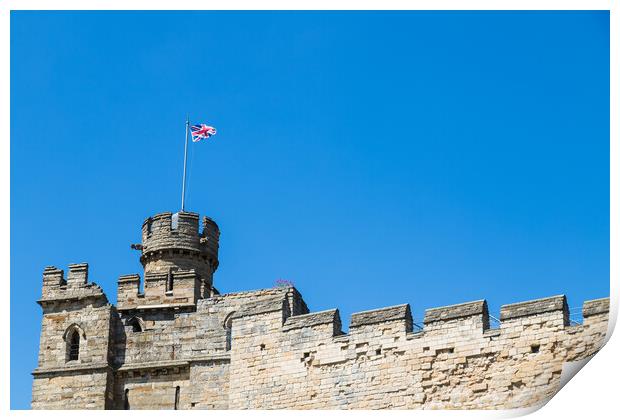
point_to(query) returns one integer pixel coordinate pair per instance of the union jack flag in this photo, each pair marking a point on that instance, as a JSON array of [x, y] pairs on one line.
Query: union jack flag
[[202, 131]]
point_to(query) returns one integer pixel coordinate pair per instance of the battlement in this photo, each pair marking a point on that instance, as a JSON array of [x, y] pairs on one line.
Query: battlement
[[473, 315], [595, 307], [534, 307], [456, 360], [178, 289], [180, 233], [73, 288], [329, 317], [461, 310]]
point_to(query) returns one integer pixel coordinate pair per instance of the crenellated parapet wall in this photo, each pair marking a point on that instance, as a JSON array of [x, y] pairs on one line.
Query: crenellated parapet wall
[[75, 287], [175, 289], [455, 361]]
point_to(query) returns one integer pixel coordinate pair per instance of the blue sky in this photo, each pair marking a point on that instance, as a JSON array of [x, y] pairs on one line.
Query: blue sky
[[373, 158]]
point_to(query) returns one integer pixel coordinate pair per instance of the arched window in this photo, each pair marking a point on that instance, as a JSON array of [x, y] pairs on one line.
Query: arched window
[[228, 330], [126, 400], [72, 337]]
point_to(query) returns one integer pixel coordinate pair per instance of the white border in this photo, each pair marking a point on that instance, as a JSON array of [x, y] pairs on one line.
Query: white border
[[591, 395]]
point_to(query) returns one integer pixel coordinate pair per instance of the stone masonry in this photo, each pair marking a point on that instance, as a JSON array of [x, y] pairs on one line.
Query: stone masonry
[[173, 342]]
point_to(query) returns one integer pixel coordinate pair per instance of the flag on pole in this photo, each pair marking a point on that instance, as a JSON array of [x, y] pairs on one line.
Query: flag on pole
[[202, 131]]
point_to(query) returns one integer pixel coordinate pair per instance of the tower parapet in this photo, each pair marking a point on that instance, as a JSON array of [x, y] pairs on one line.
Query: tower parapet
[[180, 231]]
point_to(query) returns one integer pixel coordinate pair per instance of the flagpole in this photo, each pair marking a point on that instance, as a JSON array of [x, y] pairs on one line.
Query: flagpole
[[184, 164]]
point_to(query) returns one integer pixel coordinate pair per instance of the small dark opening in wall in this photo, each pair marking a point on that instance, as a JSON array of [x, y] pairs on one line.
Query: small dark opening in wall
[[126, 400], [170, 281], [306, 355], [535, 348], [426, 348], [74, 346], [135, 325], [177, 394], [262, 347], [378, 352]]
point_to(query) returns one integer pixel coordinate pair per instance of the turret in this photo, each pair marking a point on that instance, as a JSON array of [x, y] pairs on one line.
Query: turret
[[179, 258]]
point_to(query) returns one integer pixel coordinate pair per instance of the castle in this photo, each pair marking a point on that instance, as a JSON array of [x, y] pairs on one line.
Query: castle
[[175, 342]]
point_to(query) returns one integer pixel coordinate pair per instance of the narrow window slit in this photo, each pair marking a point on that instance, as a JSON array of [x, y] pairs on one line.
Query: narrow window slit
[[177, 393]]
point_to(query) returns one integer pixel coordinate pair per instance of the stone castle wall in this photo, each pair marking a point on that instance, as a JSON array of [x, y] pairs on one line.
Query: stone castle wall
[[282, 356], [188, 347]]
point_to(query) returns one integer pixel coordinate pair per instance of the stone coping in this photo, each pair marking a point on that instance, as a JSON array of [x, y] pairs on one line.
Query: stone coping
[[273, 290], [262, 306], [596, 306], [314, 318], [533, 307], [390, 313], [129, 278], [461, 310]]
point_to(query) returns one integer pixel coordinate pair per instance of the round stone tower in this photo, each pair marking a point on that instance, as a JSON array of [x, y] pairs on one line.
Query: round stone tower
[[174, 243]]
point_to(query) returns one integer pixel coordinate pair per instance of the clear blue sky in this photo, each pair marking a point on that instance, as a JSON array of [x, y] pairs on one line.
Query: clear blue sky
[[373, 158]]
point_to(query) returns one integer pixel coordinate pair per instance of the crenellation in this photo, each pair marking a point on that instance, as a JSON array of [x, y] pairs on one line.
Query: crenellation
[[78, 275], [461, 310], [595, 307], [53, 279], [262, 306], [180, 344], [329, 317], [399, 314], [533, 307]]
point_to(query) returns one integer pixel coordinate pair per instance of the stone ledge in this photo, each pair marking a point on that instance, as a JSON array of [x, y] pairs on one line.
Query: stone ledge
[[315, 318], [461, 310], [595, 307], [157, 306], [71, 368], [153, 365], [533, 307], [391, 313], [172, 363]]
